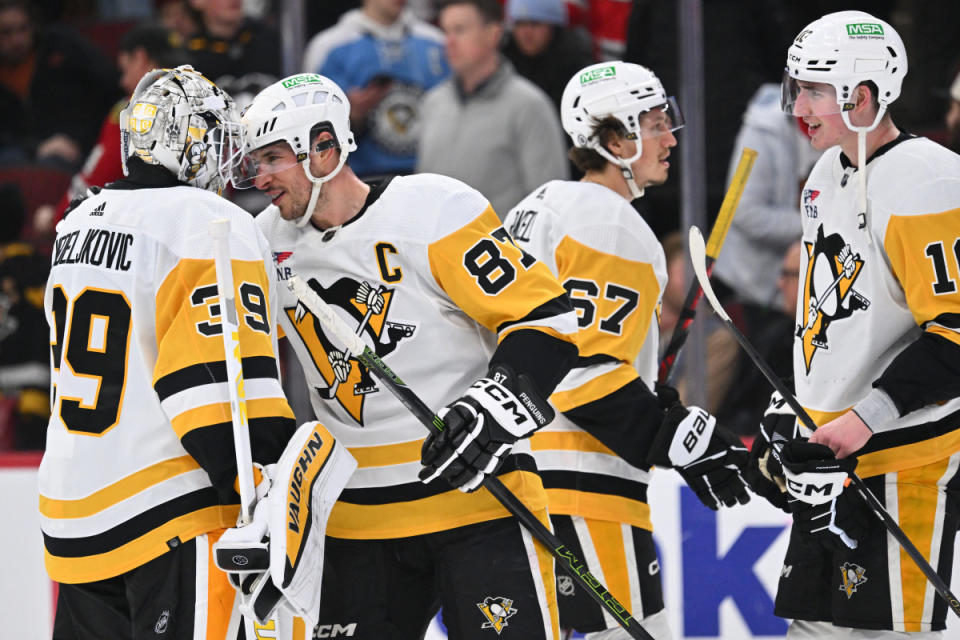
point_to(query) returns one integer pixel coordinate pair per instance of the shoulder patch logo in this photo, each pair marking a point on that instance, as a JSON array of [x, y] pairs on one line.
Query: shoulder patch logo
[[810, 209], [851, 577], [828, 295], [496, 611]]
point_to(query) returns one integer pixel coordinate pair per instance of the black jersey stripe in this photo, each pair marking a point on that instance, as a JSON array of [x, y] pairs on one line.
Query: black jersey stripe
[[133, 528], [597, 358], [595, 483], [949, 320], [549, 309], [417, 490], [212, 372]]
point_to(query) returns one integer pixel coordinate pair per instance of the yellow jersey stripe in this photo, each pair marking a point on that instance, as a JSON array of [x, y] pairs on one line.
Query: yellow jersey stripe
[[440, 512], [118, 491], [387, 454], [608, 542], [600, 506], [567, 441], [142, 550], [219, 412], [594, 389]]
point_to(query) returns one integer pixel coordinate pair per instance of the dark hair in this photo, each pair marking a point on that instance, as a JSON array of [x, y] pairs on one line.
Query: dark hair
[[160, 44], [589, 160], [490, 10]]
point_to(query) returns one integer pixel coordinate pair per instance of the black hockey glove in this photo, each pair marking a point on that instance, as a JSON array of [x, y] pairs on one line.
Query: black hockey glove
[[822, 506], [481, 427], [708, 457], [764, 474]]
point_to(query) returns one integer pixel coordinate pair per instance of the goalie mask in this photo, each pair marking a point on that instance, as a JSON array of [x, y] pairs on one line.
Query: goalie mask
[[293, 111], [181, 121], [843, 49], [621, 90]]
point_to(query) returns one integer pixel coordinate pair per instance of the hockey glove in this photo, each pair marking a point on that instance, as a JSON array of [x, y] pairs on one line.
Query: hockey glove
[[823, 508], [764, 473], [481, 427], [708, 457]]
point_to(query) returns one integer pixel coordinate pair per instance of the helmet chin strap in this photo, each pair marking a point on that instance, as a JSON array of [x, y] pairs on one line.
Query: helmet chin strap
[[625, 171], [862, 166], [317, 184]]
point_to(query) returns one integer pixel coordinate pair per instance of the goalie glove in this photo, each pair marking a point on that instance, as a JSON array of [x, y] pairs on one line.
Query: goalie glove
[[481, 428], [764, 473], [823, 508], [708, 457], [276, 560]]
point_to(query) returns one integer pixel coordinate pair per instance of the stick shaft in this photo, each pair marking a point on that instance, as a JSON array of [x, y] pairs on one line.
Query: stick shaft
[[220, 230], [568, 561], [714, 244], [888, 522]]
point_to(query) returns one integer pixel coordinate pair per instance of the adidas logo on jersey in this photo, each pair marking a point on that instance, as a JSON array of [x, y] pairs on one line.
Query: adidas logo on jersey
[[99, 210]]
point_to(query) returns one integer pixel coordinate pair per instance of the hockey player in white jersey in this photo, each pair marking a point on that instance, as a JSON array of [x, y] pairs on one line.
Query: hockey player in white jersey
[[595, 458], [876, 346], [137, 480], [423, 269]]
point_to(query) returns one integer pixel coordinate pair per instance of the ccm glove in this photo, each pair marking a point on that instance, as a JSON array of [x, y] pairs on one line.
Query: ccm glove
[[708, 457], [822, 506], [764, 473], [480, 428]]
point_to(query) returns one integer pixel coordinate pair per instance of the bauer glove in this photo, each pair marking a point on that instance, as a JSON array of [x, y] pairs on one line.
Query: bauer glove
[[823, 508], [708, 457], [481, 427]]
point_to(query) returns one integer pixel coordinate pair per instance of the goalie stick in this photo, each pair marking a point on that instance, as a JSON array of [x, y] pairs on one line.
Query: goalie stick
[[567, 560], [717, 235], [220, 230], [697, 257]]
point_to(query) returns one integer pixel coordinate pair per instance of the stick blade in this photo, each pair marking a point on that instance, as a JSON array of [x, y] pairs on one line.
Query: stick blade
[[698, 257]]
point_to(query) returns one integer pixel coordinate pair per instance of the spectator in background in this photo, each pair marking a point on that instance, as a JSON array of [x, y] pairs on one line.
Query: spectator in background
[[176, 16], [142, 48], [767, 220], [229, 45], [24, 337], [722, 349], [54, 89], [487, 125], [606, 22], [542, 48], [385, 59], [952, 119]]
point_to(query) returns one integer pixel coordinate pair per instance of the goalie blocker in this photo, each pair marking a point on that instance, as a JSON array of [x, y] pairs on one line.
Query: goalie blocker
[[277, 560]]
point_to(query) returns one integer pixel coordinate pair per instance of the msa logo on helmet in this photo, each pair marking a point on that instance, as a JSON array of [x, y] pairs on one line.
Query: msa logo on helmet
[[304, 78], [865, 30], [598, 74]]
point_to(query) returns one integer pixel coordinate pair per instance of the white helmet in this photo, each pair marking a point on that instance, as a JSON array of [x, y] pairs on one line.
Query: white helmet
[[619, 89], [845, 49], [181, 121], [292, 110]]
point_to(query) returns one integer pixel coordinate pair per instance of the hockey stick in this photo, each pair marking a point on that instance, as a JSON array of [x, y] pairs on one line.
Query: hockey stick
[[697, 256], [717, 235], [220, 230], [570, 563]]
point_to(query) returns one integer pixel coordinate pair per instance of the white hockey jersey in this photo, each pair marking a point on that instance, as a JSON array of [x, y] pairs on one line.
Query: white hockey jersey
[[139, 446], [452, 286], [614, 269], [868, 294]]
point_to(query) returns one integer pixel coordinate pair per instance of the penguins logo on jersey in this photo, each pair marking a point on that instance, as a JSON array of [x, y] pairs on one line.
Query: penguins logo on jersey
[[368, 304], [496, 611], [828, 294], [851, 576]]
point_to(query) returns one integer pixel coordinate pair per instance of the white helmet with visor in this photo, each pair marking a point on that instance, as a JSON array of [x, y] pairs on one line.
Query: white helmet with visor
[[624, 91], [844, 49], [293, 111]]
